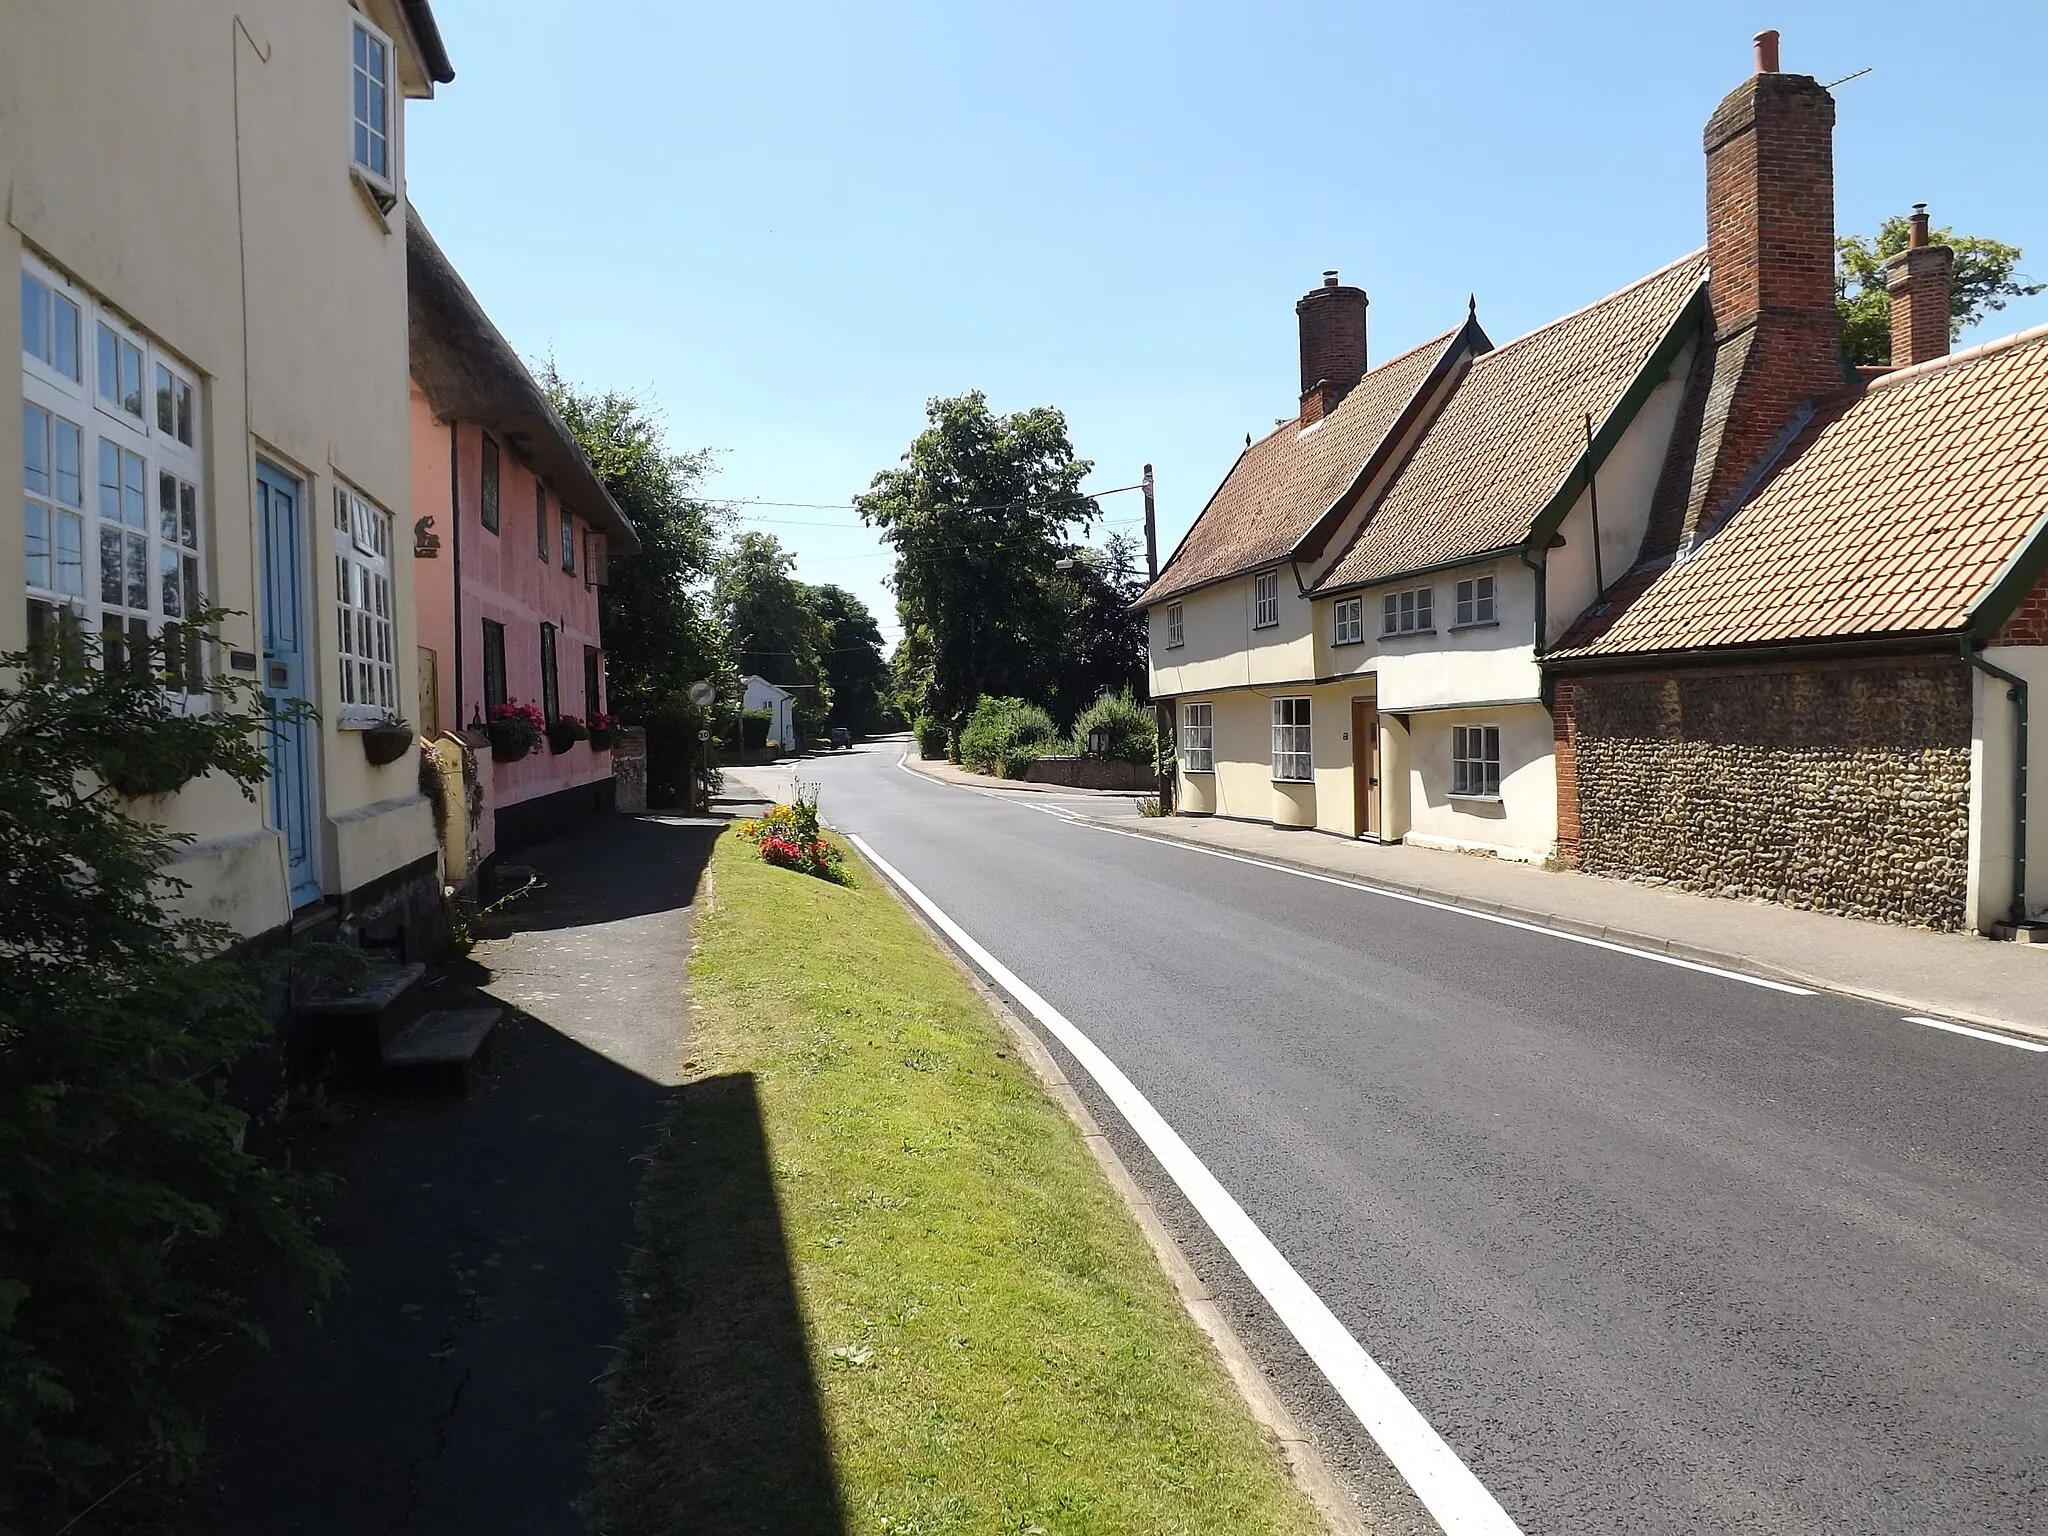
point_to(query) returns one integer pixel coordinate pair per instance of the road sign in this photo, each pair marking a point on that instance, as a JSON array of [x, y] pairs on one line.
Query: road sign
[[702, 694], [703, 735]]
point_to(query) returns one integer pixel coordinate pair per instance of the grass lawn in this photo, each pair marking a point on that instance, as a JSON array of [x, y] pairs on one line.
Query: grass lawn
[[884, 1288]]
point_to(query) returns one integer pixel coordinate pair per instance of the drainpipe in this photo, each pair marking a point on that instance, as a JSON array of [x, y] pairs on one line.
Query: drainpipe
[[455, 556], [1541, 571], [2016, 690]]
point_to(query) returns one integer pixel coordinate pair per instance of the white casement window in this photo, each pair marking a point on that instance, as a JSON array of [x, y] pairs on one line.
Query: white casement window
[[1266, 600], [1408, 613], [1475, 601], [1292, 762], [113, 483], [1350, 620], [1197, 740], [363, 611], [1475, 760], [1176, 632], [370, 105]]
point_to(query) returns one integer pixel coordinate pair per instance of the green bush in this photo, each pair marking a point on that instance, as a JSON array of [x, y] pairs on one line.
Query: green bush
[[127, 1199], [931, 737], [1003, 736], [754, 730], [1129, 726]]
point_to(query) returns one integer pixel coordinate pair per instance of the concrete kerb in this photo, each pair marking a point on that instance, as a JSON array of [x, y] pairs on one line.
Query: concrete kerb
[[1304, 1462], [1655, 943]]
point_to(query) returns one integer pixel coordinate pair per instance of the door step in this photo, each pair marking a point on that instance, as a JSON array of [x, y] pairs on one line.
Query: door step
[[445, 1040], [377, 990]]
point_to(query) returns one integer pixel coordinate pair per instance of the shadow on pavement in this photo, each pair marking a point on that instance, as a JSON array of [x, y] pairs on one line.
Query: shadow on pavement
[[458, 1380], [717, 1425]]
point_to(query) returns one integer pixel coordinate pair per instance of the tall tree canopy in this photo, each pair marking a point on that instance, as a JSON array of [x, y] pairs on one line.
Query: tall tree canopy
[[659, 633], [981, 512], [1984, 280], [855, 669], [773, 620]]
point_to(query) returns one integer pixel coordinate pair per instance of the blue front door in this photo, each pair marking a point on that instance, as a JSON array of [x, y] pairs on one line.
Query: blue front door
[[285, 646]]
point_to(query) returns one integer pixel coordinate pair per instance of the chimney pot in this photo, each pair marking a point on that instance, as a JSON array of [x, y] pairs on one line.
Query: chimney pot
[[1329, 277], [1766, 53], [1918, 237]]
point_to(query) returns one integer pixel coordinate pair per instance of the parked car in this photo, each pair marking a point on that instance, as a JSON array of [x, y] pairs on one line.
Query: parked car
[[840, 736]]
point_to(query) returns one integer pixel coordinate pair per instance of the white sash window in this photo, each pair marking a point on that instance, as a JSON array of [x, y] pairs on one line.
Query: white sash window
[[362, 574]]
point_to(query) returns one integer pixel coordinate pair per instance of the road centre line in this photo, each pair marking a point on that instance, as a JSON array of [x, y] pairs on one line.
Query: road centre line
[[1977, 1034], [1456, 1498]]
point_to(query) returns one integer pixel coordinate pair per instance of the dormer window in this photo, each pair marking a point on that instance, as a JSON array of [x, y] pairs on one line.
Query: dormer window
[[1266, 600]]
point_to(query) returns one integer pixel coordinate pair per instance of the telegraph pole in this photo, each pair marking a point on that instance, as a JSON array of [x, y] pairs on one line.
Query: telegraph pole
[[1151, 531]]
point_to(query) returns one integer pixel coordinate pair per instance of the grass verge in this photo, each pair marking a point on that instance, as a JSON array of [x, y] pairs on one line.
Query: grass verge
[[884, 1288]]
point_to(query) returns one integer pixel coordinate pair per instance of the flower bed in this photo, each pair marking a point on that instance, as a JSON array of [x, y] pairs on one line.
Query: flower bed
[[789, 838]]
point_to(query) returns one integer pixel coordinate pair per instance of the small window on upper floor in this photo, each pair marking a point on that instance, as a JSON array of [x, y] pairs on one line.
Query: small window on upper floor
[[1409, 613], [370, 105], [49, 328], [1475, 601], [568, 541], [540, 518], [488, 507], [1266, 600], [1176, 633], [1350, 621]]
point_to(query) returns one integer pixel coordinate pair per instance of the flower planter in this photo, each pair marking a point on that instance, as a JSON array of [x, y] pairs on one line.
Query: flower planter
[[565, 733], [387, 743], [509, 744], [515, 730]]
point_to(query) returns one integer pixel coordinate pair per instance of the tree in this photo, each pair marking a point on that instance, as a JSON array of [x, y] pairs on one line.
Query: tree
[[855, 670], [1101, 638], [774, 625], [979, 515], [659, 633], [1983, 281]]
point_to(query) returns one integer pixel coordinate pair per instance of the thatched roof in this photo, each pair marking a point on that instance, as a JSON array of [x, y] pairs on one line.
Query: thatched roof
[[469, 372]]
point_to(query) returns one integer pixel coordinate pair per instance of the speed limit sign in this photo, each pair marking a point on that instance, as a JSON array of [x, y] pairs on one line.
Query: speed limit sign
[[703, 735]]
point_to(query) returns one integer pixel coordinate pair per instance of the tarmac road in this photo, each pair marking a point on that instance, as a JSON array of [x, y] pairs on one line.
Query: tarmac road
[[1651, 1249]]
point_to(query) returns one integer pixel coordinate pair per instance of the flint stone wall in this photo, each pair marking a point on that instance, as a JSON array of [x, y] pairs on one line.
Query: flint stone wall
[[1841, 789]]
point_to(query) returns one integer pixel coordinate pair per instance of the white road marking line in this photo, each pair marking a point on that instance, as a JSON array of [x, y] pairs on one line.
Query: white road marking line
[[1446, 1486], [1418, 901], [1977, 1034], [1484, 917]]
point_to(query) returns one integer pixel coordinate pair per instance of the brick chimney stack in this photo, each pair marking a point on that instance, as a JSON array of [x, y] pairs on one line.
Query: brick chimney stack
[[1771, 249], [1917, 278], [1332, 345]]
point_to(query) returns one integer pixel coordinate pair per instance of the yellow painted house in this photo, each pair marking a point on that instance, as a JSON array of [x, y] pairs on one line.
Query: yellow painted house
[[205, 211]]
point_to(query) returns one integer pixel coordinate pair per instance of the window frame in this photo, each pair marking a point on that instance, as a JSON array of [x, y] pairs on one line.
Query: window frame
[[1176, 627], [593, 683], [366, 607], [1347, 629], [1265, 607], [540, 519], [1467, 602], [1198, 737], [568, 541], [1475, 759], [490, 483], [155, 524], [550, 676], [1408, 611], [492, 654], [1293, 739], [386, 181]]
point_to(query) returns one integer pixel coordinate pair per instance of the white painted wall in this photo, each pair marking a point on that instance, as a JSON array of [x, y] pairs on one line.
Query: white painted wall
[[1522, 823], [1626, 483], [254, 256], [1222, 649], [1991, 784], [762, 694], [1480, 664]]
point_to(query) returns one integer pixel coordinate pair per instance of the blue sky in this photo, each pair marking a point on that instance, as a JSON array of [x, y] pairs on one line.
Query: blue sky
[[790, 224]]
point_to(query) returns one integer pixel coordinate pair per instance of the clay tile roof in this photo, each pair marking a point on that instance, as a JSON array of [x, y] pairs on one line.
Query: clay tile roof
[[1497, 453], [1893, 518], [1285, 481]]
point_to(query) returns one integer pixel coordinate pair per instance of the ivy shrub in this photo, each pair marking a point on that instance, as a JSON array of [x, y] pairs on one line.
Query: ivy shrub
[[126, 1192], [931, 738], [1128, 730], [1004, 736]]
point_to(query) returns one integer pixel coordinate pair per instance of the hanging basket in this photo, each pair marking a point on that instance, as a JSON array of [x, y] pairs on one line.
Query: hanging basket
[[387, 743]]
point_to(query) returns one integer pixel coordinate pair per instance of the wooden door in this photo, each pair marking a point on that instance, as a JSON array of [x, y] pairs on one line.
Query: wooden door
[[1365, 766], [286, 643]]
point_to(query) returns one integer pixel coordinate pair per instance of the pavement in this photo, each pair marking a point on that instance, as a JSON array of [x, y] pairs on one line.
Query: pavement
[[454, 1384], [1652, 1247]]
